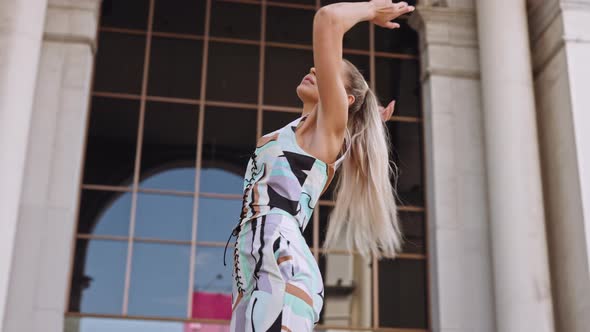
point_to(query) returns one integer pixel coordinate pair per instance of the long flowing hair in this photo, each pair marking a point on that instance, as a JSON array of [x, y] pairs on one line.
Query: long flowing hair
[[365, 215]]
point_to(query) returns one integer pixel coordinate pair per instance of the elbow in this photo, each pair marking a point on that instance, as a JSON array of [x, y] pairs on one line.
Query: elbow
[[326, 18]]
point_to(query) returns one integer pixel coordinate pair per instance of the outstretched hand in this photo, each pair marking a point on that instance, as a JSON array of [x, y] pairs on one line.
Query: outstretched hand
[[386, 112], [385, 11]]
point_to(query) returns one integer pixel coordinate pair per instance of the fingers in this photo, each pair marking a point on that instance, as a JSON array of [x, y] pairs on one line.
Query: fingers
[[392, 25], [403, 7]]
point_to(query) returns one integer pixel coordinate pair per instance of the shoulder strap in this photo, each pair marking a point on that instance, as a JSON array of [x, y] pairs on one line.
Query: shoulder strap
[[339, 161]]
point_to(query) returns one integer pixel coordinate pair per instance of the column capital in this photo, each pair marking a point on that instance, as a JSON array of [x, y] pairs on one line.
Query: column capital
[[72, 21], [448, 41]]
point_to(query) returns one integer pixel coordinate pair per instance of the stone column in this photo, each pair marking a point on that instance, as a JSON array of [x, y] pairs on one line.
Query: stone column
[[460, 275], [515, 199], [560, 38], [21, 28], [37, 295]]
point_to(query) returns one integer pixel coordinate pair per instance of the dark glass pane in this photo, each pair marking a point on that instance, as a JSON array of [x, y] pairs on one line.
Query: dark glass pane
[[229, 141], [233, 72], [175, 68], [169, 148], [235, 20], [98, 278], [330, 193], [213, 285], [180, 16], [222, 181], [398, 79], [406, 138], [217, 218], [111, 144], [402, 293], [413, 229], [282, 21], [308, 232], [272, 120], [357, 37], [324, 211], [402, 40], [104, 213], [128, 14], [119, 62], [166, 217], [300, 2], [362, 62], [347, 290], [327, 2], [91, 324], [284, 70], [159, 280]]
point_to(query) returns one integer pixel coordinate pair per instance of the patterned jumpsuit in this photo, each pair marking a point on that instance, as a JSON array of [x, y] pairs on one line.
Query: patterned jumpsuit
[[278, 285]]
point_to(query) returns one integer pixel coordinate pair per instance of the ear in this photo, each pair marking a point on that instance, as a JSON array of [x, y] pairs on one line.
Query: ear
[[351, 100]]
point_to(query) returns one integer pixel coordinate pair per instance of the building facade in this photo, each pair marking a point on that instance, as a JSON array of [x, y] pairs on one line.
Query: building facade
[[125, 127]]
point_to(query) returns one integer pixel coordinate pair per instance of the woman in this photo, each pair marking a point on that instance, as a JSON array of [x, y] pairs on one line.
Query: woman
[[278, 285]]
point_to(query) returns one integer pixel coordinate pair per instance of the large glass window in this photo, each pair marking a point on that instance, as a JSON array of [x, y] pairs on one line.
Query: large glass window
[[182, 90]]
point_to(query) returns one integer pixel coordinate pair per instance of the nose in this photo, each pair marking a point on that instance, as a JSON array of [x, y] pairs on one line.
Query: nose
[[312, 70]]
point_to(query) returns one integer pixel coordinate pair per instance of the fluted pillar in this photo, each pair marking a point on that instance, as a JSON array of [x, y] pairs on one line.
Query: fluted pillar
[[21, 28], [517, 222]]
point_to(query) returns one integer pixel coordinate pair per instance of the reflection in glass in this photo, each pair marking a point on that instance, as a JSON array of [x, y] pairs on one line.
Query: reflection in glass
[[175, 68], [111, 143], [402, 293], [284, 70], [119, 62], [90, 324], [98, 278], [169, 143], [179, 16], [233, 77], [159, 280], [104, 213], [217, 218], [165, 217], [213, 284], [218, 180], [407, 155], [347, 290], [229, 139], [235, 20]]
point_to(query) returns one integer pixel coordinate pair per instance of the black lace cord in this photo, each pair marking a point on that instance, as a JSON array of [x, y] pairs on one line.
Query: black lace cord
[[234, 232]]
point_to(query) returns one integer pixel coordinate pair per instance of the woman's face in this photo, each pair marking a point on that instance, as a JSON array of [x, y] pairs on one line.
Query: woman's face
[[307, 90]]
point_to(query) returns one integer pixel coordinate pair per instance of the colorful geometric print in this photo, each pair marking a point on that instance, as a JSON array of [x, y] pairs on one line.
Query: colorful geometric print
[[283, 178], [279, 286]]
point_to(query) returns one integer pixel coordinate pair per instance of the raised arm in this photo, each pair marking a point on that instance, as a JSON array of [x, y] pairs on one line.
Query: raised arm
[[330, 24]]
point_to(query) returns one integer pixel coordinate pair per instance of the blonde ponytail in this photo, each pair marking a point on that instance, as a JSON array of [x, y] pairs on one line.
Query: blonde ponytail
[[365, 215]]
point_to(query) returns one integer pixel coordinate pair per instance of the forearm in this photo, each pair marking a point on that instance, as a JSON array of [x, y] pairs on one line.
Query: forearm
[[345, 15]]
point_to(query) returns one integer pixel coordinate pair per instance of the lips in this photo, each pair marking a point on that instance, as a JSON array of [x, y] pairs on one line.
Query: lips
[[307, 78]]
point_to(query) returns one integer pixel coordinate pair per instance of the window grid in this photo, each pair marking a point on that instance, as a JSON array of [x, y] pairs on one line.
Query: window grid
[[260, 107]]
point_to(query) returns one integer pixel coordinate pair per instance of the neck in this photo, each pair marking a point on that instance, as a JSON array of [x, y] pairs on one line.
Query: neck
[[308, 108]]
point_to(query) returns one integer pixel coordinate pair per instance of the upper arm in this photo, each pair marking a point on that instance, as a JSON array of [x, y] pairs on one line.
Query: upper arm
[[327, 57]]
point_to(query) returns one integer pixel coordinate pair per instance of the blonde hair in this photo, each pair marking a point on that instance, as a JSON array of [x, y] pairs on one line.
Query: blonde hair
[[366, 211]]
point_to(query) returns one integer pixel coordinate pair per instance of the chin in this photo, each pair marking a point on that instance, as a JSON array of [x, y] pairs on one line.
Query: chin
[[306, 94]]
